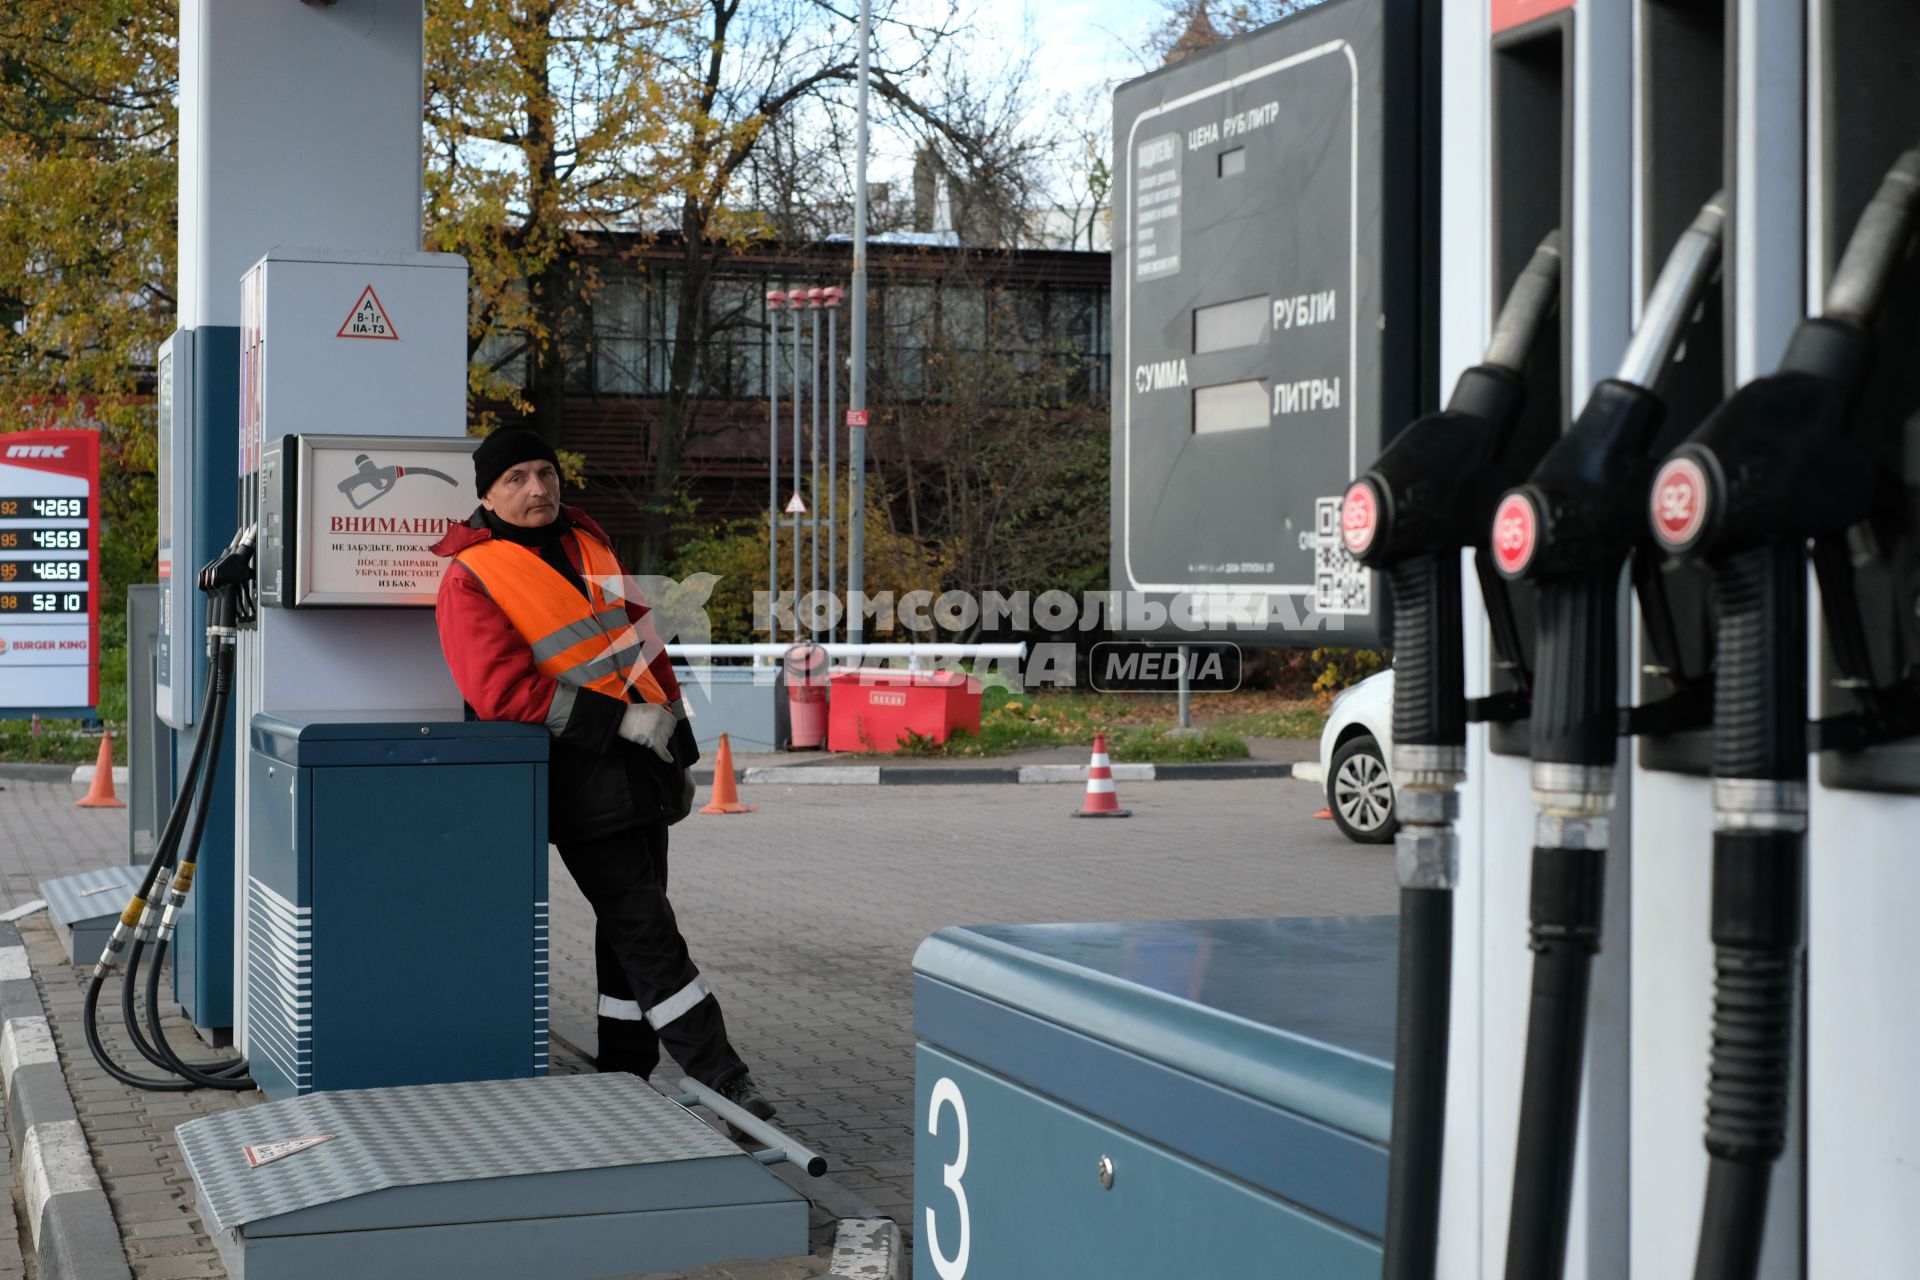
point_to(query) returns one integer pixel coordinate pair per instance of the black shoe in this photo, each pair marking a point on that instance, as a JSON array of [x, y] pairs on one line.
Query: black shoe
[[742, 1092]]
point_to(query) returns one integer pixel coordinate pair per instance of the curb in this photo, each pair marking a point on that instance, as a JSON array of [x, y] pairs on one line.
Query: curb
[[22, 771], [961, 775], [74, 1234], [83, 774], [865, 1249]]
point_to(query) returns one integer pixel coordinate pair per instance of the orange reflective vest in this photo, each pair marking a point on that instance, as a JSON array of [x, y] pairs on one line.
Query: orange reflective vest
[[586, 642]]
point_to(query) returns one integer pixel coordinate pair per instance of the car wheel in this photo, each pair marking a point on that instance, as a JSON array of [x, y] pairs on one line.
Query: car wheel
[[1360, 792]]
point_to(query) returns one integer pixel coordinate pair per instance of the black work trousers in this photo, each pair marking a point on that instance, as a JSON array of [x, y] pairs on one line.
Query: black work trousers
[[650, 992]]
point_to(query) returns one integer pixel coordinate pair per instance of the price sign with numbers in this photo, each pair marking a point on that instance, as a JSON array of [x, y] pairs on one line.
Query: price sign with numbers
[[49, 571]]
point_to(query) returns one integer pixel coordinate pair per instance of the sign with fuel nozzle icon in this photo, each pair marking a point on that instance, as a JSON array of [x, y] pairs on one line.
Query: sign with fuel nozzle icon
[[351, 520]]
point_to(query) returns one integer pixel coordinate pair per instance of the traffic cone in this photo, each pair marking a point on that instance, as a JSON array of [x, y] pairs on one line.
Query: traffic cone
[[100, 794], [1102, 801], [726, 796]]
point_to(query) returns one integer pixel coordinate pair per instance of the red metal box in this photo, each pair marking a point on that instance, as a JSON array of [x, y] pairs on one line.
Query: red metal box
[[872, 708]]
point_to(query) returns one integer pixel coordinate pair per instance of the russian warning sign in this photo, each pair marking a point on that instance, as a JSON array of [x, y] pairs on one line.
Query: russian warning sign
[[368, 319]]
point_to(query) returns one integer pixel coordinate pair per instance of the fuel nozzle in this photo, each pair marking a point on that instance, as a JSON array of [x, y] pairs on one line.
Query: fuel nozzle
[[1570, 527], [1427, 497], [1776, 461], [1431, 488], [233, 567], [1580, 510]]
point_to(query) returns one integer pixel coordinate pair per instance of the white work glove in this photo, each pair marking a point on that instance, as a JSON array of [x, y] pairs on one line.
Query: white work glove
[[650, 727]]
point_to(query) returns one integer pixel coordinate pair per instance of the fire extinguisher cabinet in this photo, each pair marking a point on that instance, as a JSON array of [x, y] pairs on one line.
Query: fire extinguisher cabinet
[[873, 709]]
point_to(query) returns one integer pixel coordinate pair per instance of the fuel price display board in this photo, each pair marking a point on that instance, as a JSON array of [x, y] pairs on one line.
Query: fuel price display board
[[1274, 279], [49, 571]]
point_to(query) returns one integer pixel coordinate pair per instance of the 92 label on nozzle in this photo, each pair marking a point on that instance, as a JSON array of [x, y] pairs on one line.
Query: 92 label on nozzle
[[1679, 502]]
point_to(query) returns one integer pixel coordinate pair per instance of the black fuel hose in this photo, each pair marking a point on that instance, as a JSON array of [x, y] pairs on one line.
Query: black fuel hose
[[230, 1075], [223, 579], [166, 857], [130, 919]]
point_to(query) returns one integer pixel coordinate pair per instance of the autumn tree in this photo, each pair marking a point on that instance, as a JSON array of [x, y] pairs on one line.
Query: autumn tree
[[88, 131], [996, 436], [535, 114], [735, 81]]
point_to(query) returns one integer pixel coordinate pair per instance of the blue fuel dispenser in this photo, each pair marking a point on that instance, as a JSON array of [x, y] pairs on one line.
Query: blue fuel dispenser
[[384, 846]]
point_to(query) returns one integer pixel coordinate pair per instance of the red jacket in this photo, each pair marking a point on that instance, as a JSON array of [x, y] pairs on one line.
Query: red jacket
[[597, 782]]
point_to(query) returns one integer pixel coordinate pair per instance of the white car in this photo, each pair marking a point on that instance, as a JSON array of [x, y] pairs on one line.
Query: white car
[[1356, 760]]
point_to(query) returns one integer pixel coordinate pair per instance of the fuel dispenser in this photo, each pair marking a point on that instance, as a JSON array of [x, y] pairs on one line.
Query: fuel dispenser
[[367, 794], [1426, 499]]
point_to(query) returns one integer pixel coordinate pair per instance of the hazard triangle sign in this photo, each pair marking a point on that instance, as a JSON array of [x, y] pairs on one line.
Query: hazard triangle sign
[[368, 319], [268, 1152], [796, 507]]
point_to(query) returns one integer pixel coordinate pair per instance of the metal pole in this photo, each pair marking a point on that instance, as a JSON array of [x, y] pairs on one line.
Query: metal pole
[[797, 297], [857, 392], [814, 303], [833, 444], [1186, 704], [774, 298]]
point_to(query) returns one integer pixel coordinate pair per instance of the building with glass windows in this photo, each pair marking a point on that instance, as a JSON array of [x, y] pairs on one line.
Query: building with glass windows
[[952, 328]]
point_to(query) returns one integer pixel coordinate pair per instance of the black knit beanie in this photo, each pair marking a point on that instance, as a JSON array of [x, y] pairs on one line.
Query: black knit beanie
[[508, 448]]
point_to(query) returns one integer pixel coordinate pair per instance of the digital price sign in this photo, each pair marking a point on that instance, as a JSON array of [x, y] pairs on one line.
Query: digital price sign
[[49, 571]]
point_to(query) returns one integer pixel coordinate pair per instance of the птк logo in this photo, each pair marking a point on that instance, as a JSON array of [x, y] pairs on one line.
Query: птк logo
[[38, 450]]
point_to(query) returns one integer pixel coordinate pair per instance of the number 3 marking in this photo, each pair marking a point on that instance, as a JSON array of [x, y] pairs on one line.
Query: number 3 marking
[[946, 1092]]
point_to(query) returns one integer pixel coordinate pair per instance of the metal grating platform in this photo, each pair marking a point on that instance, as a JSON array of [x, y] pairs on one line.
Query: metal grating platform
[[570, 1176], [83, 908]]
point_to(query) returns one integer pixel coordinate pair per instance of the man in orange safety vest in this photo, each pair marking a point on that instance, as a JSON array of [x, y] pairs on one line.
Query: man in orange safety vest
[[539, 625]]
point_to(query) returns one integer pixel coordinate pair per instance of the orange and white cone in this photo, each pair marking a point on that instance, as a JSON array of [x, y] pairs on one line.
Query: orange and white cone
[[100, 794], [726, 796], [1102, 801]]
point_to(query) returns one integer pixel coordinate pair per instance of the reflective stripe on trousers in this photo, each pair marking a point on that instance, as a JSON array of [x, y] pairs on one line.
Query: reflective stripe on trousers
[[661, 1014]]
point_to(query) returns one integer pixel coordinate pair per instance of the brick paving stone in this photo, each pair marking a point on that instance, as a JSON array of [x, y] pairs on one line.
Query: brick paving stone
[[181, 1267]]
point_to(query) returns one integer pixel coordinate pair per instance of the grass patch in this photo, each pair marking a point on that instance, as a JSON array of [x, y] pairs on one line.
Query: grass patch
[[1302, 721], [1011, 721], [1158, 745], [60, 742]]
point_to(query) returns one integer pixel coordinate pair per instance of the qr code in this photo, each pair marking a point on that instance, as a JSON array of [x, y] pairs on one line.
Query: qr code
[[1340, 583]]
